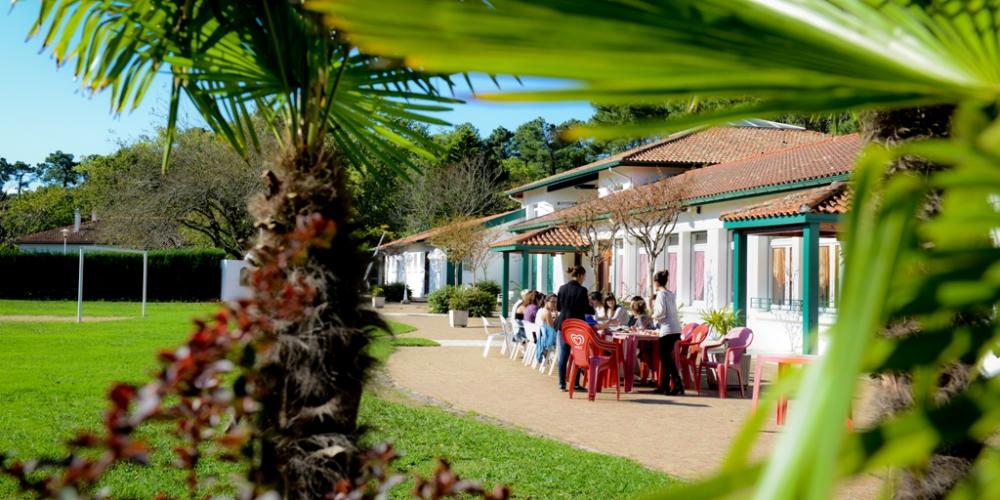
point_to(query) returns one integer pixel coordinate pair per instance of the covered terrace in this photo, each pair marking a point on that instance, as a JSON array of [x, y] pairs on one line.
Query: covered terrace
[[807, 214], [551, 241]]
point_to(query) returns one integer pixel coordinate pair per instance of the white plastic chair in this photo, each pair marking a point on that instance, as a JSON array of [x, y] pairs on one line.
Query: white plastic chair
[[502, 334], [512, 329], [533, 331]]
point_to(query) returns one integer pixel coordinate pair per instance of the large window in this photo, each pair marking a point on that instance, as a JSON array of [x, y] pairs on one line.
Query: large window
[[781, 275], [699, 247], [673, 247], [829, 274], [643, 272]]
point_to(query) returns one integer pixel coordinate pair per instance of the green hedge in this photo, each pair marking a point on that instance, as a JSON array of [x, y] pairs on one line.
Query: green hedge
[[394, 292], [174, 275]]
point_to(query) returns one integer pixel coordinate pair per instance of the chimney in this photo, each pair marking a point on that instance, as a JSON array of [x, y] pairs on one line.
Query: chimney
[[93, 215], [76, 221]]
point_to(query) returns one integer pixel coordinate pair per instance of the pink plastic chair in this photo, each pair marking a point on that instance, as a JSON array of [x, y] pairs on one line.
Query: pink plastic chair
[[736, 343], [587, 354]]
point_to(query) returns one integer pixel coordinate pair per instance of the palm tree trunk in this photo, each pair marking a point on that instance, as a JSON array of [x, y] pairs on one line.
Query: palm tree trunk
[[894, 392], [312, 379]]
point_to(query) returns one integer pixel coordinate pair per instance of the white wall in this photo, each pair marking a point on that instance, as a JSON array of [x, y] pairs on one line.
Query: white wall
[[71, 249], [610, 180]]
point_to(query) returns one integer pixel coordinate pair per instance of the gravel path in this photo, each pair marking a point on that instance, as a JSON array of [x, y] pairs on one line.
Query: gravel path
[[686, 436]]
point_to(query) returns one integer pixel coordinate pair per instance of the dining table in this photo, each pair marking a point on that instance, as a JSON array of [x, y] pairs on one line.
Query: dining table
[[629, 339]]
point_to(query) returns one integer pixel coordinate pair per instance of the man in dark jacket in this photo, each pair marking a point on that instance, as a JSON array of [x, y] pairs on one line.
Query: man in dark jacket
[[574, 303]]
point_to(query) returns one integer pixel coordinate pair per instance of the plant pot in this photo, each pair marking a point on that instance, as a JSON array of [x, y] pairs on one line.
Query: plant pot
[[458, 319], [378, 302]]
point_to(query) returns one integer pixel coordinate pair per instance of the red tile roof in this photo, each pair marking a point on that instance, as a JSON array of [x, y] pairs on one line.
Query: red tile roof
[[548, 237], [833, 198], [86, 236], [417, 238], [828, 158], [696, 147]]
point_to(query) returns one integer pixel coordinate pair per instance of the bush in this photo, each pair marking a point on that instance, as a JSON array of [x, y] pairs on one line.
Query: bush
[[459, 301], [489, 286], [394, 292], [480, 303], [440, 300], [174, 275], [377, 291]]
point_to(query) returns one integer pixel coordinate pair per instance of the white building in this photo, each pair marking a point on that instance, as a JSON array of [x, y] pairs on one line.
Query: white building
[[762, 205], [425, 268]]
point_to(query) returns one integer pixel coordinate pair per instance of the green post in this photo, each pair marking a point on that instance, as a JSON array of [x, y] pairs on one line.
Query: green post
[[505, 284], [525, 268], [810, 287], [740, 275]]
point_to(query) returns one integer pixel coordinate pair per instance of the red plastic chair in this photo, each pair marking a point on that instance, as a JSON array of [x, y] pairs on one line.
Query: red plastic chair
[[687, 353], [588, 352], [736, 343]]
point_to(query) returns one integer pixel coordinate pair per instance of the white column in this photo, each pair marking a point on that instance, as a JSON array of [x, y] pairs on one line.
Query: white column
[[560, 263], [718, 265], [684, 268]]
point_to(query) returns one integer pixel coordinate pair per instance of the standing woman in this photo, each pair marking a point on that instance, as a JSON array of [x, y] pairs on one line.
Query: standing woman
[[669, 324], [574, 303]]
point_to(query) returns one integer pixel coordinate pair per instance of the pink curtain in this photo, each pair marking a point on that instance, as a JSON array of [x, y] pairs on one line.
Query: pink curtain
[[699, 275], [643, 273], [672, 268]]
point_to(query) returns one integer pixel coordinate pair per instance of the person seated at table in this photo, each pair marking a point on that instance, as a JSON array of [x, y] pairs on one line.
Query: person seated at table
[[614, 313], [547, 319], [597, 302], [519, 307], [640, 314], [531, 306]]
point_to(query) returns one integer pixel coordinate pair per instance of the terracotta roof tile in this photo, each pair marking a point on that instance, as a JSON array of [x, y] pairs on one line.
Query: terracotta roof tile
[[698, 147], [831, 157], [830, 199], [86, 236], [417, 238], [548, 237]]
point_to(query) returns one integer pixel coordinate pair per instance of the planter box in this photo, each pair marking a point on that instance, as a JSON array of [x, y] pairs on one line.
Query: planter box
[[458, 319], [378, 302]]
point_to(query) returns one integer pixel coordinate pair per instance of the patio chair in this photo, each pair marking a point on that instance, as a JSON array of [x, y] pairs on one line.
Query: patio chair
[[533, 332], [517, 347], [588, 354], [687, 353], [736, 343], [502, 334]]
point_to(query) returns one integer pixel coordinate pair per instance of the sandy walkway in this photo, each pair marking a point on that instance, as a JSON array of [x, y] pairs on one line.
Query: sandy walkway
[[686, 437]]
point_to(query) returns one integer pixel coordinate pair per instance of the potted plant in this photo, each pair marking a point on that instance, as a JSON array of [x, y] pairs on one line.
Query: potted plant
[[458, 310], [720, 320], [378, 297]]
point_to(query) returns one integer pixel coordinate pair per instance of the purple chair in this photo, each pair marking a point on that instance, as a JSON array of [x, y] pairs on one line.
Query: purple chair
[[736, 343]]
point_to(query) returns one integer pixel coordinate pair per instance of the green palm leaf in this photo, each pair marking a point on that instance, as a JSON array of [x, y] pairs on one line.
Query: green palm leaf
[[229, 72]]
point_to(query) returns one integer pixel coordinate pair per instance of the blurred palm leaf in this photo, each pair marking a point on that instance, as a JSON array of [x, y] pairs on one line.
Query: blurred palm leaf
[[813, 56], [808, 56], [233, 59]]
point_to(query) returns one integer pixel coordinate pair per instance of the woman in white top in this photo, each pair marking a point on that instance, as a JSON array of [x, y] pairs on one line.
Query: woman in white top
[[668, 322]]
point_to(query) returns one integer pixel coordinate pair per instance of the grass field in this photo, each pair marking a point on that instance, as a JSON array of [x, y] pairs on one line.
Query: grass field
[[55, 374]]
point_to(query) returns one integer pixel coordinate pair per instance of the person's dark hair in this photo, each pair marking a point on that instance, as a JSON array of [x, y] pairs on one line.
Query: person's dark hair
[[539, 299], [610, 297], [638, 306], [529, 298], [597, 297], [662, 277], [576, 271], [552, 296]]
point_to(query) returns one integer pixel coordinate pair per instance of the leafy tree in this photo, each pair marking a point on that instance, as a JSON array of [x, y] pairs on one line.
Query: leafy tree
[[912, 238], [60, 169], [544, 148], [33, 211], [500, 144], [202, 201], [232, 59], [19, 173]]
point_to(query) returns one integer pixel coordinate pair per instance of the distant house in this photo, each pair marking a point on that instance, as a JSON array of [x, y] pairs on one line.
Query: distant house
[[67, 239]]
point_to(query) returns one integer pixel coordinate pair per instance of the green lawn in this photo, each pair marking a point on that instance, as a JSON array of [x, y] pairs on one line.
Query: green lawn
[[54, 375]]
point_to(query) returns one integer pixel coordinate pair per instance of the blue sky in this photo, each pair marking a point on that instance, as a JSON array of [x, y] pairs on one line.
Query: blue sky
[[42, 109]]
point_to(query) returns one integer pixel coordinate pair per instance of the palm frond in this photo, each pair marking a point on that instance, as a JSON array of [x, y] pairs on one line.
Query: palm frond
[[231, 58], [813, 56]]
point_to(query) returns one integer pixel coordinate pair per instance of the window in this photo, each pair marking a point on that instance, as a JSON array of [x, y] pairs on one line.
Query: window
[[699, 245], [673, 247], [643, 272], [829, 274], [781, 275], [620, 266]]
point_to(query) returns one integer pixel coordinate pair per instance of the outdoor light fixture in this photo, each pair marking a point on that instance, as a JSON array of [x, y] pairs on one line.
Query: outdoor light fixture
[[65, 235]]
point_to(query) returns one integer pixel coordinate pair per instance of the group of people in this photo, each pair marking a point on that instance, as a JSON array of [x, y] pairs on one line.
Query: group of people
[[603, 311]]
